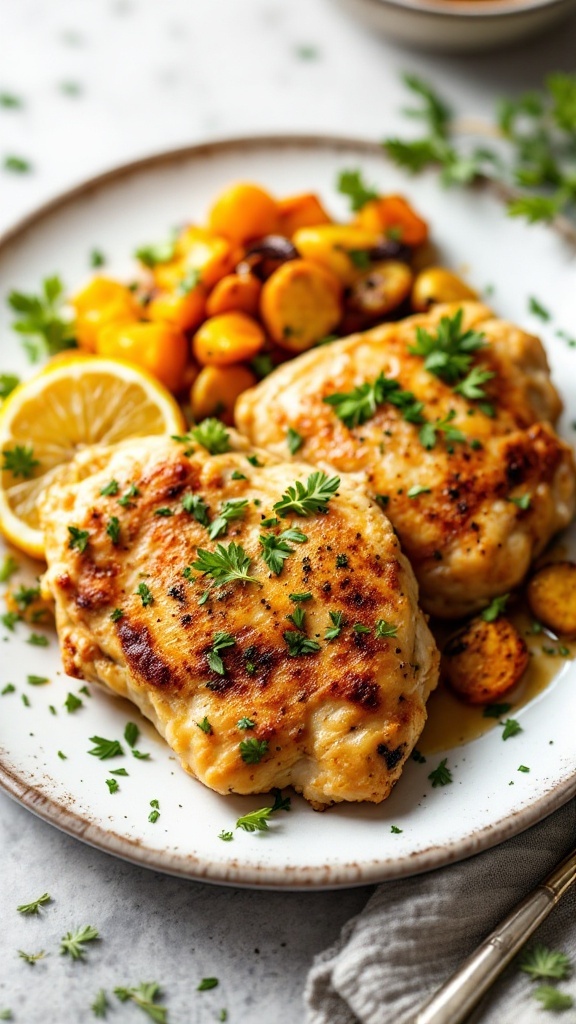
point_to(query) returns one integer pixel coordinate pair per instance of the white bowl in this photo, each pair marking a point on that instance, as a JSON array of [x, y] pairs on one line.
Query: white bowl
[[460, 25]]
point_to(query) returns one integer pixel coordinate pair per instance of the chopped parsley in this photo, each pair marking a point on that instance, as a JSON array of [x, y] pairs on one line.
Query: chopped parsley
[[220, 642], [255, 821], [195, 505], [189, 282], [155, 812], [245, 723], [37, 680], [145, 594], [523, 768], [164, 512], [126, 500], [523, 501], [110, 489], [41, 319], [352, 184], [237, 475], [298, 644], [448, 353], [396, 830], [496, 710], [300, 597], [100, 1006], [338, 622], [230, 510], [495, 609], [227, 837], [297, 617], [97, 258], [72, 703], [539, 310], [309, 498], [359, 405], [253, 460], [34, 906], [78, 539], [383, 629], [541, 962], [104, 749], [428, 434], [416, 490], [153, 255], [145, 996], [441, 775], [225, 564], [116, 614], [140, 756], [205, 726], [212, 435], [342, 561], [74, 943], [8, 568], [131, 733], [511, 728], [113, 529], [552, 999], [17, 164], [38, 640], [359, 627], [252, 750], [19, 461], [276, 548], [113, 785], [10, 101], [8, 382], [207, 983], [9, 688], [294, 440], [31, 958]]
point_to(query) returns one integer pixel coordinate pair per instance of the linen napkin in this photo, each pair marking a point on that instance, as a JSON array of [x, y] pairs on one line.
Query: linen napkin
[[415, 932]]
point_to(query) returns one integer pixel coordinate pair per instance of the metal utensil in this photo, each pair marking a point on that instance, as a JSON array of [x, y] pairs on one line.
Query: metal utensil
[[456, 999]]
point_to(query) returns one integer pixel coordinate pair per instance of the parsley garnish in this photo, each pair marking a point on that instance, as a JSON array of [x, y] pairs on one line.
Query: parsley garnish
[[441, 776], [189, 282], [116, 614], [205, 726], [255, 821], [131, 733], [163, 512], [539, 310], [416, 490], [17, 164], [448, 353], [523, 501], [359, 405], [161, 252], [300, 597], [552, 999], [496, 608], [352, 184], [428, 436], [227, 837], [72, 703], [140, 756], [253, 460], [113, 785], [9, 688], [20, 461], [220, 642], [10, 101], [297, 617], [8, 382], [100, 1006], [37, 680], [359, 627], [145, 996], [212, 435], [294, 440], [511, 728], [73, 943], [110, 489], [97, 258], [541, 962], [245, 723], [206, 984], [197, 507], [338, 622], [341, 561], [104, 748], [299, 644], [31, 958], [34, 906], [8, 568], [383, 628], [396, 830], [523, 768], [145, 593], [225, 564], [495, 710], [252, 750], [276, 549], [235, 508], [131, 492], [25, 596], [310, 498], [155, 812], [113, 529], [41, 319], [78, 539]]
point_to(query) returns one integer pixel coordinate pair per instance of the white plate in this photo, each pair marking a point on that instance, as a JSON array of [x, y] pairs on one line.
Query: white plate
[[489, 799]]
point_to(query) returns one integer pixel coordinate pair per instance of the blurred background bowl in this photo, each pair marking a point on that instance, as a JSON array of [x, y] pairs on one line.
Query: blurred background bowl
[[452, 26]]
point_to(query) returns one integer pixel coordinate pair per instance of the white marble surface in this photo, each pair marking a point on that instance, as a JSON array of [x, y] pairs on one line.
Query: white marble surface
[[152, 75]]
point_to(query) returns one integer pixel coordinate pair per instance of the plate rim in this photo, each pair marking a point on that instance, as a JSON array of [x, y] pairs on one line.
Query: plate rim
[[259, 876]]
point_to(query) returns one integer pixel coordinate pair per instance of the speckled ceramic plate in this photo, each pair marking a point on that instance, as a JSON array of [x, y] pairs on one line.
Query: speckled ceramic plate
[[489, 798]]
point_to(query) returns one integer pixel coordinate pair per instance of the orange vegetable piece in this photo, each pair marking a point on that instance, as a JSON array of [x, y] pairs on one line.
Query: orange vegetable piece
[[228, 338], [157, 347], [199, 253], [300, 304], [235, 292], [330, 246], [101, 302], [183, 311], [302, 211], [243, 211], [393, 216], [216, 388]]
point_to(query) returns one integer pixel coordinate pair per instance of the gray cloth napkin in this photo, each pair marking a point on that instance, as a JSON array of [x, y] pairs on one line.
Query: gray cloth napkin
[[415, 932]]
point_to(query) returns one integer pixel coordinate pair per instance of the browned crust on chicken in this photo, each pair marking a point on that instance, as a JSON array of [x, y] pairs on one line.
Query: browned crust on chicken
[[466, 539], [339, 723]]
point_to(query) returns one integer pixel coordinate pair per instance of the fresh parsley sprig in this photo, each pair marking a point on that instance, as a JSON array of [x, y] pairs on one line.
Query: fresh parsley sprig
[[359, 405], [212, 435], [230, 510], [73, 944], [310, 498], [145, 996], [225, 565], [352, 184], [34, 906], [542, 962], [276, 547], [220, 642], [42, 319]]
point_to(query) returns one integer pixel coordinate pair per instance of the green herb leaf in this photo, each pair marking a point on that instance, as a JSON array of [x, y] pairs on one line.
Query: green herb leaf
[[205, 726], [207, 983], [116, 614], [195, 505], [276, 549], [338, 622], [310, 498], [113, 785], [100, 1006], [539, 310], [495, 609], [384, 629], [448, 353], [8, 568], [255, 821], [74, 943], [416, 490], [145, 996], [220, 642], [552, 999], [20, 461], [359, 405], [496, 710], [441, 775], [294, 440], [17, 164], [511, 728], [34, 906], [132, 492], [131, 733], [8, 382], [155, 812], [31, 958], [212, 435], [113, 529], [523, 501], [252, 750], [37, 680], [225, 564], [352, 184], [78, 539], [541, 962], [104, 748], [145, 594], [42, 319], [72, 703], [298, 644], [230, 510], [227, 837], [153, 255]]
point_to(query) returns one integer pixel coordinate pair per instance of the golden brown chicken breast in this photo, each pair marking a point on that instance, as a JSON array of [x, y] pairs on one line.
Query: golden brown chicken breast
[[259, 613], [447, 416]]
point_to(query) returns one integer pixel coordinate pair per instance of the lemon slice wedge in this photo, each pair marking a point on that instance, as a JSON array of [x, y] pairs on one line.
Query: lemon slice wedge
[[76, 402]]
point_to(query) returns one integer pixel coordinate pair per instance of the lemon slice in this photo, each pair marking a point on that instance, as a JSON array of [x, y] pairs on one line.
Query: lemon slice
[[74, 403]]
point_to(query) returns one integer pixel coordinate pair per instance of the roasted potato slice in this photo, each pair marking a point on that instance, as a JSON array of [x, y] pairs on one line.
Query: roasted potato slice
[[381, 289], [552, 597], [484, 660]]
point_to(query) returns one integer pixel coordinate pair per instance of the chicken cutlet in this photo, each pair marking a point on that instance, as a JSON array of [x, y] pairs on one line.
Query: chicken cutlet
[[448, 419], [260, 614]]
